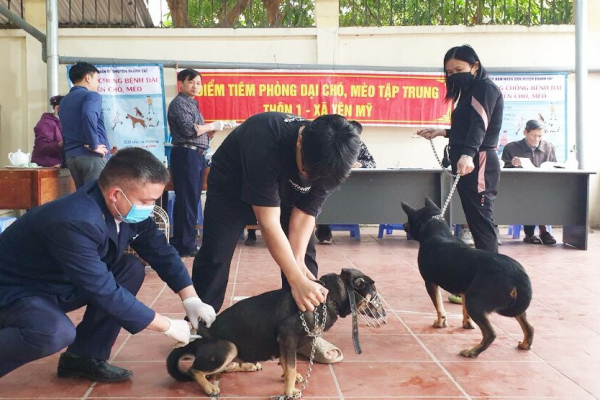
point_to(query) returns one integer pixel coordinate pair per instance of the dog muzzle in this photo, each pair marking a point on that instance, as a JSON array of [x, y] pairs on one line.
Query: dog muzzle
[[370, 310]]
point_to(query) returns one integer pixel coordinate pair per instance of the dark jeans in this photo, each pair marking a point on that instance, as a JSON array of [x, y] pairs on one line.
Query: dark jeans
[[36, 327], [224, 221], [477, 192], [187, 170]]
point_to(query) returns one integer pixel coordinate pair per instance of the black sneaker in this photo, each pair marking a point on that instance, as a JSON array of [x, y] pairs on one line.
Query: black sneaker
[[251, 241], [191, 253], [74, 366]]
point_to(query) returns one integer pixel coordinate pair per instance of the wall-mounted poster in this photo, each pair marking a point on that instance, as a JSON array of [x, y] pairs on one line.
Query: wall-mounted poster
[[133, 104], [534, 96]]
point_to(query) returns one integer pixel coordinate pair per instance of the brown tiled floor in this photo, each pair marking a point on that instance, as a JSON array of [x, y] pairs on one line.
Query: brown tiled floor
[[406, 359]]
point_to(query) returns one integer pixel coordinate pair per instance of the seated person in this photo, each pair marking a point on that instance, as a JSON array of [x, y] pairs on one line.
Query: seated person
[[538, 151], [365, 160], [48, 145]]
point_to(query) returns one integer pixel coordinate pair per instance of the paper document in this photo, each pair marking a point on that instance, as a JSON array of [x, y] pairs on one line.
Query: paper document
[[526, 163]]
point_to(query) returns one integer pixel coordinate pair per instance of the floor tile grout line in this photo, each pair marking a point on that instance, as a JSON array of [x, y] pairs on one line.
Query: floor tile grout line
[[336, 382], [433, 357]]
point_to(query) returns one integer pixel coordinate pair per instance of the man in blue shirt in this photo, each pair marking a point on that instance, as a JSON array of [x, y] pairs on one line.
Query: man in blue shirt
[[69, 253], [82, 120]]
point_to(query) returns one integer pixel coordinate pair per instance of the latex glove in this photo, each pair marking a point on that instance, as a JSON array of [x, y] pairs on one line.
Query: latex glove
[[178, 330], [230, 124], [217, 126], [195, 309]]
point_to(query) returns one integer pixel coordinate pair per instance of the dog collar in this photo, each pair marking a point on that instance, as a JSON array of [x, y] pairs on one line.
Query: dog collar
[[352, 300]]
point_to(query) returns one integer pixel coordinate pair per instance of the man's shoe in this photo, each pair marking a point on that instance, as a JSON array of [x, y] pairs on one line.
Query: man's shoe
[[251, 241], [466, 237], [74, 366], [191, 253], [325, 241]]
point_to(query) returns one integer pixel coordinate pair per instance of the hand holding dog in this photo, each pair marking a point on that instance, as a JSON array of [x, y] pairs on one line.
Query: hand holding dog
[[308, 294], [178, 330], [196, 310], [430, 133]]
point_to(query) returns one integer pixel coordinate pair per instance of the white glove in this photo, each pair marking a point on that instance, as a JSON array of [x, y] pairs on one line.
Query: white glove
[[217, 126], [195, 309], [230, 124], [178, 330]]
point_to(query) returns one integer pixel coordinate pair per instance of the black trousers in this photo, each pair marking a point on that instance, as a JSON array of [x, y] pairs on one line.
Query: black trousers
[[477, 192], [187, 169], [224, 221], [36, 327]]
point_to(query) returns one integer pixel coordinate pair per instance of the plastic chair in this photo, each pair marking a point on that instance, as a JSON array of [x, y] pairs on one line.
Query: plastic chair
[[5, 222], [515, 230], [389, 228], [171, 204], [353, 228]]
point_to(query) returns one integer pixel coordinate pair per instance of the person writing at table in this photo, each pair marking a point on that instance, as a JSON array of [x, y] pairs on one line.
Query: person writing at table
[[69, 253], [473, 136], [537, 151]]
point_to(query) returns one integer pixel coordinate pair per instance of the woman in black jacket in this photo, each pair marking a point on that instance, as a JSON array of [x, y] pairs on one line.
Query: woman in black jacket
[[473, 137]]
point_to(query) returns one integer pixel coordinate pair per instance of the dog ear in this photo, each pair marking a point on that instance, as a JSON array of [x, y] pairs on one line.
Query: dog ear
[[407, 209], [430, 203]]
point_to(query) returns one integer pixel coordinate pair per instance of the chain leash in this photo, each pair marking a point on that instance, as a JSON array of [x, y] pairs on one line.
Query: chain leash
[[318, 331], [455, 176]]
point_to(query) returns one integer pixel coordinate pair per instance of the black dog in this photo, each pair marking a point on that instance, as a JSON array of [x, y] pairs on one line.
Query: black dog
[[489, 282], [266, 327]]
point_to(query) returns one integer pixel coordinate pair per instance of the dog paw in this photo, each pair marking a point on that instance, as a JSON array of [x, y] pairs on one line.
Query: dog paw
[[257, 367], [293, 393], [468, 324], [524, 346], [471, 353], [299, 378], [440, 323], [212, 391]]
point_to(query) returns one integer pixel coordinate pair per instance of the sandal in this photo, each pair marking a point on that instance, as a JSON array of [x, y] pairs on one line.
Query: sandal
[[547, 238], [532, 239], [455, 299], [321, 348]]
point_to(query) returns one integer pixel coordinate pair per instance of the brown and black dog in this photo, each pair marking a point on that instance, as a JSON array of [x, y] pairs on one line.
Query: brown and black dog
[[268, 326], [489, 282], [135, 120]]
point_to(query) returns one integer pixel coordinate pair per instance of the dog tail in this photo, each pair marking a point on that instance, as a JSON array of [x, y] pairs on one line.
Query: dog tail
[[173, 363]]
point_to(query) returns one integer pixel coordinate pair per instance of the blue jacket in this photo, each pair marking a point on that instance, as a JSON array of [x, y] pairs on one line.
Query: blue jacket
[[65, 248], [82, 122]]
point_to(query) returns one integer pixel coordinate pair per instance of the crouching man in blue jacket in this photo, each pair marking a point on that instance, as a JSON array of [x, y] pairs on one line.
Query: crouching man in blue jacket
[[69, 253]]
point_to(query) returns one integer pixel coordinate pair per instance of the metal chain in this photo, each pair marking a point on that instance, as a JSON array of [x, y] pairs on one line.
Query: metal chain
[[455, 176], [318, 331]]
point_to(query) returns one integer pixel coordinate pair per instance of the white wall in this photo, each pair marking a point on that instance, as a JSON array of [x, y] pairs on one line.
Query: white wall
[[23, 85]]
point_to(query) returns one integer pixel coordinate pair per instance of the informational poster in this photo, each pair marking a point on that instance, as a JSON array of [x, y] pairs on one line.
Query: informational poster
[[133, 104], [534, 96], [372, 98]]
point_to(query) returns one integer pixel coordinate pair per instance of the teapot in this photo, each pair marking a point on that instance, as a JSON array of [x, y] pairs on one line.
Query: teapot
[[19, 158]]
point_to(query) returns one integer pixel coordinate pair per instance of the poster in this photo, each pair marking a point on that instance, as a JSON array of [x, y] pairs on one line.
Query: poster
[[534, 96], [372, 98], [134, 109]]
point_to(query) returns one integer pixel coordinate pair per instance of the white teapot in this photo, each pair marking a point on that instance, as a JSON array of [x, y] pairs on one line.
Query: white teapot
[[19, 158]]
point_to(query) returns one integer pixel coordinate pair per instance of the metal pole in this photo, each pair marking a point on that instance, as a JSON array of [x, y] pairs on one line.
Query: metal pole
[[581, 75], [52, 47]]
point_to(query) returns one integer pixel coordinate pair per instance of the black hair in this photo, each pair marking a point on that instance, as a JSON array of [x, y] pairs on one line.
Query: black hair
[[462, 53], [187, 74], [330, 146], [55, 100], [357, 125], [80, 70], [133, 166], [534, 124]]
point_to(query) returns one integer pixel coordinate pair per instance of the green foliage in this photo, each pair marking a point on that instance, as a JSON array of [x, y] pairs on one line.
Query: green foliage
[[455, 12], [249, 13]]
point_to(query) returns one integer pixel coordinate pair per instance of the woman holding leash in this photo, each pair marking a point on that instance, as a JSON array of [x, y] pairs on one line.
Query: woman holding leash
[[473, 137]]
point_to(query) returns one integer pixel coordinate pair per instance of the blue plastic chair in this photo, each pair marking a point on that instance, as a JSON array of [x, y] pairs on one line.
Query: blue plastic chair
[[389, 228], [353, 228], [171, 204]]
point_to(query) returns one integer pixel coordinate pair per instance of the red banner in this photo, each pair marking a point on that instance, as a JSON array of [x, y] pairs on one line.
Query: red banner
[[373, 98]]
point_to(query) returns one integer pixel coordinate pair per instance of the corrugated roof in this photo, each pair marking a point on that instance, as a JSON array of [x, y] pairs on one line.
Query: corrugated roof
[[93, 13]]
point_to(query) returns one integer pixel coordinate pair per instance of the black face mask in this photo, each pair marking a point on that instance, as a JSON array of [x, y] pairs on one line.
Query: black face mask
[[461, 79]]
